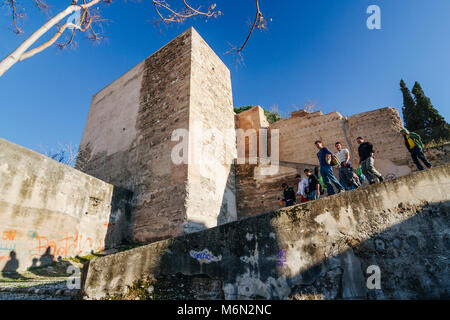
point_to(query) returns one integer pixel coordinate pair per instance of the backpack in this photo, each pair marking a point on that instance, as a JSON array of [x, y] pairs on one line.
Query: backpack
[[322, 186], [332, 160]]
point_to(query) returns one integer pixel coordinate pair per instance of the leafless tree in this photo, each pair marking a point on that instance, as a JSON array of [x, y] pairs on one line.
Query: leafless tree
[[311, 106], [308, 106], [83, 17], [65, 153]]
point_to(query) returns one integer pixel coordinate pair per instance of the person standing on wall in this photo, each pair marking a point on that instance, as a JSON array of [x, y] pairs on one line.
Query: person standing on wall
[[327, 160], [302, 185], [289, 195], [345, 170], [322, 185], [313, 189], [366, 159], [414, 144]]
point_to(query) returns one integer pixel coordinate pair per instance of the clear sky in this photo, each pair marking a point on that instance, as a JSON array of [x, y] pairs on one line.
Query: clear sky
[[317, 50]]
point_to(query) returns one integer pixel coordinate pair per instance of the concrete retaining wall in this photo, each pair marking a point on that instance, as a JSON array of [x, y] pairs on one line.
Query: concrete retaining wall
[[258, 193], [49, 210], [331, 248]]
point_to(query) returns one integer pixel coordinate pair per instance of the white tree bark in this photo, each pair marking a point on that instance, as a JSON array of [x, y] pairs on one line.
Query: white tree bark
[[21, 52]]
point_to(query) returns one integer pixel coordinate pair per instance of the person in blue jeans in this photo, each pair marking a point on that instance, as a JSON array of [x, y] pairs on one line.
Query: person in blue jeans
[[326, 170], [414, 144]]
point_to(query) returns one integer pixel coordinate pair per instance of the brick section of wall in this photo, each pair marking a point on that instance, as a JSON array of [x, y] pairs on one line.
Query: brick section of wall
[[257, 194], [164, 107], [438, 155], [127, 138], [49, 210]]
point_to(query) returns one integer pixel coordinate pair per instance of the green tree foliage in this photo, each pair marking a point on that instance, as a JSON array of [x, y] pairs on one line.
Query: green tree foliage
[[425, 119], [272, 117], [408, 107]]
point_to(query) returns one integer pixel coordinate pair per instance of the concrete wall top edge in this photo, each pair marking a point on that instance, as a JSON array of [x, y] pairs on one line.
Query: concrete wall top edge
[[65, 167], [438, 172]]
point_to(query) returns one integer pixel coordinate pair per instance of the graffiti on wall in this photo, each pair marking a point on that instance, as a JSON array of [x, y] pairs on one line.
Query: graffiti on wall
[[29, 244], [204, 256], [7, 240], [70, 245], [282, 258]]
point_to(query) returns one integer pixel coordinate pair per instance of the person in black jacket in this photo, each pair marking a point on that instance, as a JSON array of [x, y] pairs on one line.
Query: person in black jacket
[[313, 189], [366, 159], [289, 195]]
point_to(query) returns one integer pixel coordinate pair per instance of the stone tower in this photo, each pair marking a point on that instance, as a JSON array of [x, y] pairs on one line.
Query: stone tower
[[142, 124]]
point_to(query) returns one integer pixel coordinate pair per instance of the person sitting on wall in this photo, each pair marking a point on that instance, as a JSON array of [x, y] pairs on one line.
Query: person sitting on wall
[[302, 185], [366, 159], [326, 170], [414, 144], [313, 189], [289, 195]]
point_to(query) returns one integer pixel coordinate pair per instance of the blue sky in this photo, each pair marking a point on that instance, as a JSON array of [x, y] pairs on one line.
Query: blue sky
[[318, 50]]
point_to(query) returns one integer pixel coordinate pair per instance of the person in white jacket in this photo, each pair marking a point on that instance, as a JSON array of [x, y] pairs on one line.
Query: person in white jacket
[[302, 185]]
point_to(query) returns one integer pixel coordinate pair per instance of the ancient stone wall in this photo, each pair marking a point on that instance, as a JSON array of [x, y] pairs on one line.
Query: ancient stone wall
[[129, 139], [49, 210], [381, 127], [298, 134], [438, 155], [260, 193], [248, 125], [333, 248]]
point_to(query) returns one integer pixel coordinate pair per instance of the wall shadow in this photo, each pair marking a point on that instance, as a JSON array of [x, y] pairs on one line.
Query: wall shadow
[[11, 267], [412, 258], [119, 224], [257, 258]]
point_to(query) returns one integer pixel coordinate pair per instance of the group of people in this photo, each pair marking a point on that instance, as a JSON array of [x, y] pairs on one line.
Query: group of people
[[311, 187]]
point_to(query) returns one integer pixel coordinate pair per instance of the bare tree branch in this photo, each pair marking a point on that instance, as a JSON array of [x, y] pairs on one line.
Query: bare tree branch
[[258, 22], [21, 52], [180, 16], [87, 17]]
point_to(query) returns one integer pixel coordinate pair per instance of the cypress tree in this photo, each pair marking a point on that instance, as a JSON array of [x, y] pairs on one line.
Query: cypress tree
[[426, 119], [408, 108]]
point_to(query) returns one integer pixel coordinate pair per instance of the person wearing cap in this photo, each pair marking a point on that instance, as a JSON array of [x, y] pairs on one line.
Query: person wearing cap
[[414, 144]]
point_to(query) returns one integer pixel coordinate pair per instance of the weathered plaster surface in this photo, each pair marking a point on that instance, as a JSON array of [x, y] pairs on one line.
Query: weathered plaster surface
[[128, 141], [45, 204], [401, 226]]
